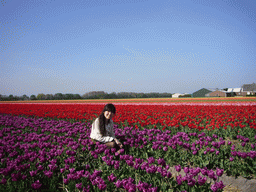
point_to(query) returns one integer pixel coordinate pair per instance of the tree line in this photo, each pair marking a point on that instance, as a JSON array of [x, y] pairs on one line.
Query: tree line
[[104, 95], [89, 95]]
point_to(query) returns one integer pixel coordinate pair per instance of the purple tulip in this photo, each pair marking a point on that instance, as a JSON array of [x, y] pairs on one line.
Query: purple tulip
[[86, 174], [33, 173], [161, 161], [36, 185], [4, 181], [102, 186], [79, 186], [178, 168], [179, 179], [217, 185], [118, 184], [48, 173], [219, 172], [116, 166], [192, 182], [72, 170], [186, 169], [67, 167], [214, 188], [169, 174], [151, 160], [62, 170], [211, 174], [112, 178], [201, 180], [204, 171], [86, 189], [234, 153], [138, 160], [24, 177], [159, 169], [220, 185], [130, 163]]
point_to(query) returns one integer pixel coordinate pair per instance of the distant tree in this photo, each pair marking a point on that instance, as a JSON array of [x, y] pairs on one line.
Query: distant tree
[[77, 96], [40, 96], [101, 96], [49, 97], [166, 95], [11, 97], [225, 89], [141, 95], [134, 95], [253, 87], [58, 96], [112, 95], [186, 95], [32, 97], [25, 97], [153, 95], [249, 87], [16, 98], [68, 96], [4, 98]]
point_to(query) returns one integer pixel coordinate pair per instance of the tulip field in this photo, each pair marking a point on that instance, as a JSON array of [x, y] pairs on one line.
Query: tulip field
[[46, 146]]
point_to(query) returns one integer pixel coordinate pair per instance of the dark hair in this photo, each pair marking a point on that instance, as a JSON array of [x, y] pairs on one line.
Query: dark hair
[[108, 107]]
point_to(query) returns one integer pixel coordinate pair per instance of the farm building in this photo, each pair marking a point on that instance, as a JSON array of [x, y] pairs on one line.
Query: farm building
[[231, 92], [218, 93], [201, 93]]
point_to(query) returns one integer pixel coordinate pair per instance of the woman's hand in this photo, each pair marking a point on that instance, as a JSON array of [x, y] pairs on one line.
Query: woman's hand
[[119, 143]]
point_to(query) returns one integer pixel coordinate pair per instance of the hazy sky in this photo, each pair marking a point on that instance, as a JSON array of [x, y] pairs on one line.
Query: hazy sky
[[77, 46]]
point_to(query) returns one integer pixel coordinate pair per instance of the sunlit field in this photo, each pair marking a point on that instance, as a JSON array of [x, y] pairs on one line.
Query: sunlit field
[[45, 145]]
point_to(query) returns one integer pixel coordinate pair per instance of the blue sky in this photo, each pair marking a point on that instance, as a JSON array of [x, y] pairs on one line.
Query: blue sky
[[64, 46]]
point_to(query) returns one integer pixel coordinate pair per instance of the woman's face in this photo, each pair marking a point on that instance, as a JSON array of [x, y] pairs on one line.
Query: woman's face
[[108, 114]]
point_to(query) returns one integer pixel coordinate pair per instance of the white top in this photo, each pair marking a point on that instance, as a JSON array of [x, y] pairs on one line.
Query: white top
[[95, 132]]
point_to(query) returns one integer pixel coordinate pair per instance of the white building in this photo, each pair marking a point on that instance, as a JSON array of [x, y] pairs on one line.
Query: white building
[[176, 95]]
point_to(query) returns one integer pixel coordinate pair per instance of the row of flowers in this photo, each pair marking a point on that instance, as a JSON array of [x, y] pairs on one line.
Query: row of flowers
[[188, 116], [36, 153]]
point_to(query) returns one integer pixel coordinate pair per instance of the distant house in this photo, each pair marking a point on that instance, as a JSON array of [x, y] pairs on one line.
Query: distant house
[[218, 93], [231, 92], [176, 95], [201, 93]]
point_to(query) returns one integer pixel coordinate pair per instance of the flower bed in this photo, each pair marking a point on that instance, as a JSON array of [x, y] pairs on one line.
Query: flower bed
[[189, 115], [44, 154]]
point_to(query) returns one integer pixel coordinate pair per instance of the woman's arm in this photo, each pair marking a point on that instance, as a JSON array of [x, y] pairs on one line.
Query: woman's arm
[[95, 133]]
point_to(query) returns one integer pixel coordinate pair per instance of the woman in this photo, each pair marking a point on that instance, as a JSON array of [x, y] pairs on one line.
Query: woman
[[102, 128]]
